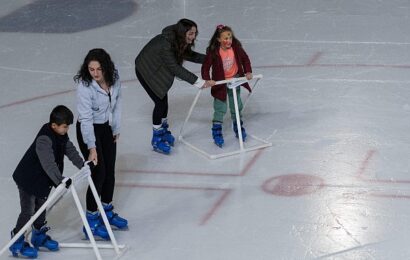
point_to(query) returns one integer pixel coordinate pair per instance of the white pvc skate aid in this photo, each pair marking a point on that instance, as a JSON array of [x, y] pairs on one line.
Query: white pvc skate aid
[[204, 144], [55, 197]]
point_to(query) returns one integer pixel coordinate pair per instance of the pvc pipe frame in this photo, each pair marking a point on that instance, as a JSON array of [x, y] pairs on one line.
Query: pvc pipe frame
[[239, 127], [217, 156], [238, 119], [55, 196], [258, 76]]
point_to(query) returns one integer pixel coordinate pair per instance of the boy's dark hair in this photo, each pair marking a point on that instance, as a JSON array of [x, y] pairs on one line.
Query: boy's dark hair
[[61, 115]]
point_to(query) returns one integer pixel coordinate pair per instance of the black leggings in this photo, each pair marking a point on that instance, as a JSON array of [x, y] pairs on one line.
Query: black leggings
[[29, 205], [103, 174], [161, 105]]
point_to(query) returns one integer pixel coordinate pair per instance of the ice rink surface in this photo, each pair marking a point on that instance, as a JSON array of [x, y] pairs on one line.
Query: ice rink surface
[[334, 102]]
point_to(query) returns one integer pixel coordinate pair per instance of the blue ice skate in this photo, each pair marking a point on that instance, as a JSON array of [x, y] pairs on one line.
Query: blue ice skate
[[158, 143], [217, 134], [22, 247], [114, 218], [97, 227], [235, 129], [40, 239], [168, 137]]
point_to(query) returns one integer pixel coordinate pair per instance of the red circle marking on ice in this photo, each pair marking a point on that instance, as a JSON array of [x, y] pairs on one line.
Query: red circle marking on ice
[[292, 185]]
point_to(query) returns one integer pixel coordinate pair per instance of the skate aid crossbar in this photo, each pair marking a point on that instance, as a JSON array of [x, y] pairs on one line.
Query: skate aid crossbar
[[232, 84], [241, 80], [83, 174]]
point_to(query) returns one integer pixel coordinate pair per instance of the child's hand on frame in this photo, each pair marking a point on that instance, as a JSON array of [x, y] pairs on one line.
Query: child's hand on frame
[[249, 76]]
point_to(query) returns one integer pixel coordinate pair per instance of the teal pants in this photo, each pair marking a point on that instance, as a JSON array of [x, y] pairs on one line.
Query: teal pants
[[220, 106]]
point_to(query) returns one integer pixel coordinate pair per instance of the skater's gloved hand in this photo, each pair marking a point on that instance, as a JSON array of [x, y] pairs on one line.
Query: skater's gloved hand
[[68, 182]]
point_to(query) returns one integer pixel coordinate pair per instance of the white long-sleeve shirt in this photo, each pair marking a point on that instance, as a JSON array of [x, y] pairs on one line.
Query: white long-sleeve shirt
[[96, 106]]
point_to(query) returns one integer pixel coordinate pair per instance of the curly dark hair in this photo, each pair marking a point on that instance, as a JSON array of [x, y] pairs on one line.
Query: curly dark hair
[[214, 43], [108, 68], [182, 48]]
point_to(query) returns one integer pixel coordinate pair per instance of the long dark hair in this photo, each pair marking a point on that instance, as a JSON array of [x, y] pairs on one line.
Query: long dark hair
[[182, 49], [110, 73], [214, 43]]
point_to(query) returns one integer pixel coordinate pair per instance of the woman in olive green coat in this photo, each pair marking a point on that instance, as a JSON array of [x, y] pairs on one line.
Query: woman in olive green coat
[[156, 66]]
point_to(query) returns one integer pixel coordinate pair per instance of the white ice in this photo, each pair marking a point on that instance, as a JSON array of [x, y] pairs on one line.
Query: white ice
[[334, 101]]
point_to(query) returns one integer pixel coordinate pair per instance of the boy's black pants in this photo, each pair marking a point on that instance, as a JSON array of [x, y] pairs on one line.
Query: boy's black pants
[[29, 205]]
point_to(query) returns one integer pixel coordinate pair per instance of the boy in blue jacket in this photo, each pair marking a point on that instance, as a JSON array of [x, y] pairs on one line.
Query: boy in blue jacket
[[39, 170]]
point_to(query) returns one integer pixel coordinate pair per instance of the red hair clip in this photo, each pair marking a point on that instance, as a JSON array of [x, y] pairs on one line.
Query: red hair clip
[[220, 26]]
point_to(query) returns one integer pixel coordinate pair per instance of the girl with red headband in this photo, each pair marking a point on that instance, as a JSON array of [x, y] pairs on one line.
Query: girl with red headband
[[227, 59]]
